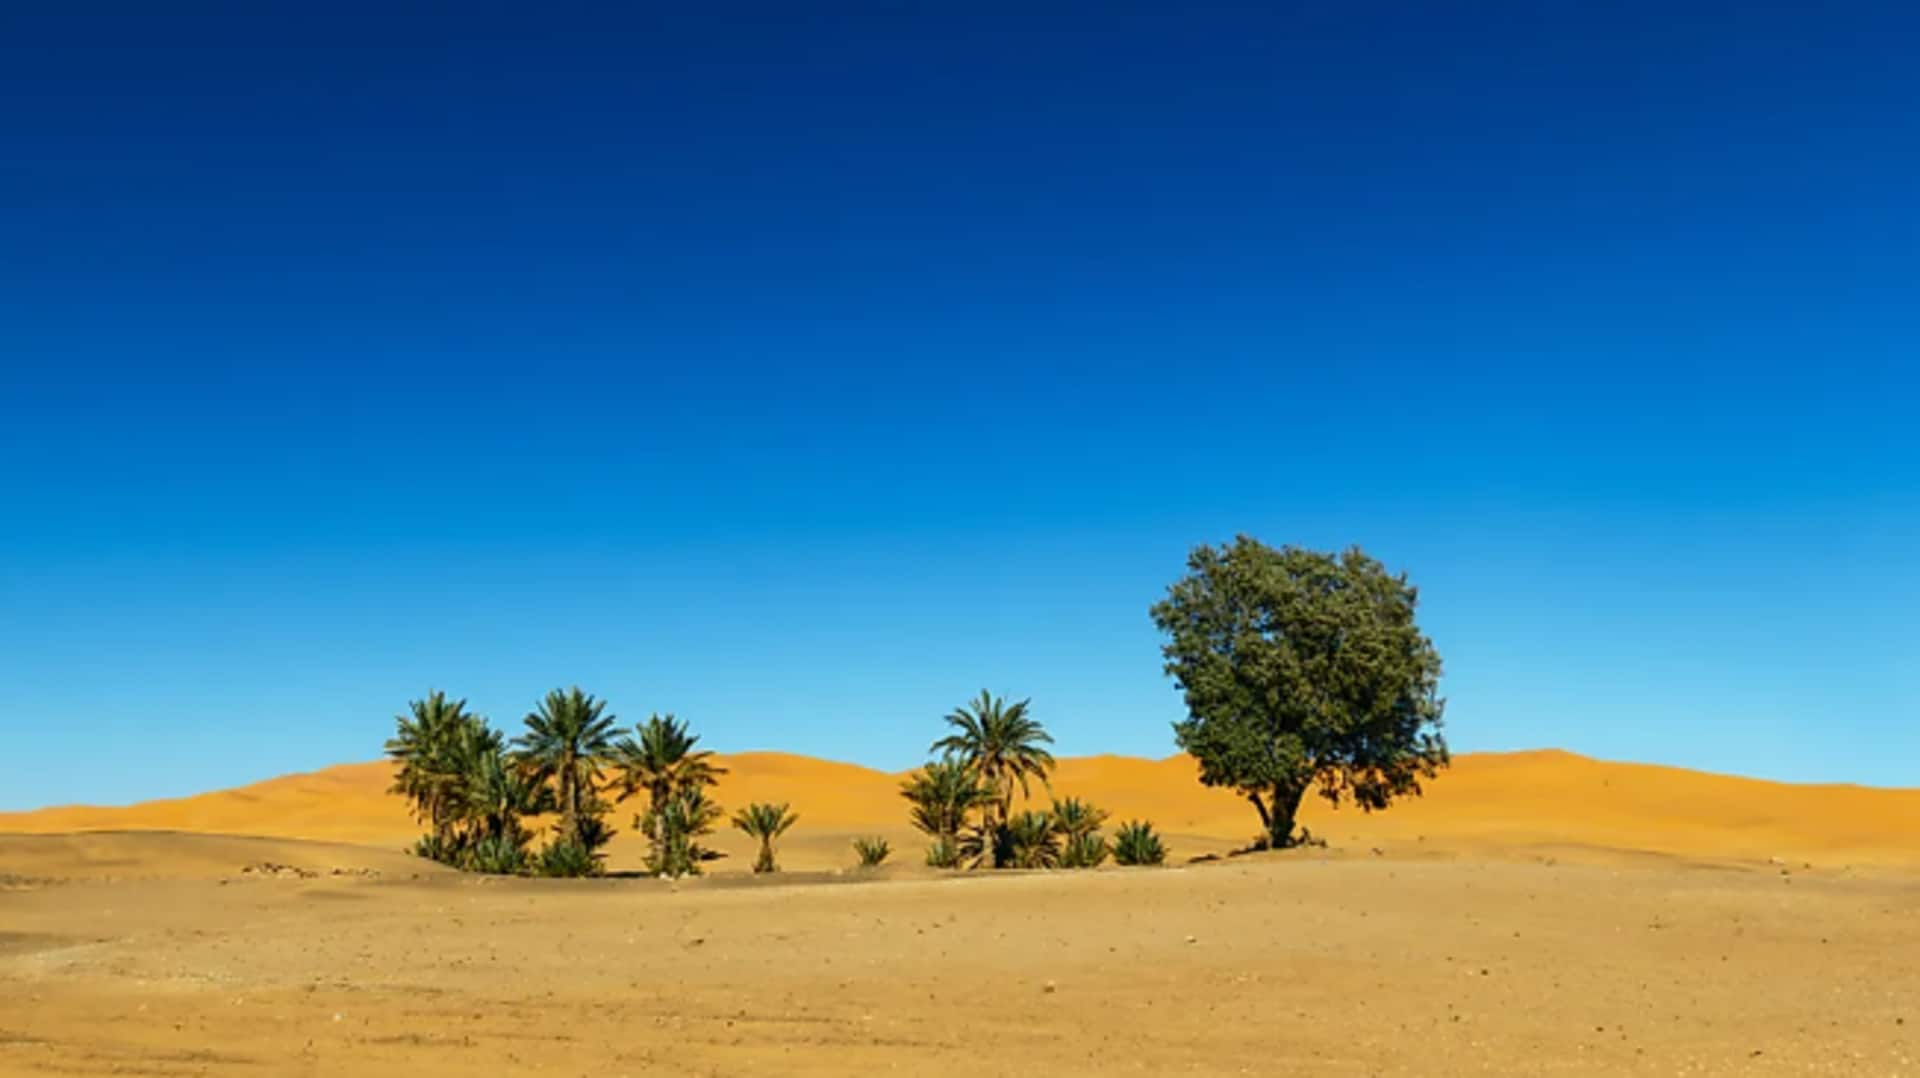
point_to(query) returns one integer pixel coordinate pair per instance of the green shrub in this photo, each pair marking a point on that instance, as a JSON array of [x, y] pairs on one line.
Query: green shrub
[[872, 850], [1032, 841], [498, 855], [944, 852], [1084, 851], [563, 857], [1136, 844]]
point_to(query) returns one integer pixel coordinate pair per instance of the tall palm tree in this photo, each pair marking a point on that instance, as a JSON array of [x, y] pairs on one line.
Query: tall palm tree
[[662, 761], [567, 741], [765, 822], [420, 749], [1001, 744]]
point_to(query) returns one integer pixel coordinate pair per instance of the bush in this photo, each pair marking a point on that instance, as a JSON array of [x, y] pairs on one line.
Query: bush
[[563, 857], [1032, 841], [1084, 851], [872, 850], [435, 848], [944, 852], [1136, 844], [497, 855]]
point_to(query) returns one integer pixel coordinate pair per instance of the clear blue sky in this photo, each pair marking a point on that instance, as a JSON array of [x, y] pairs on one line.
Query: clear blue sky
[[802, 374]]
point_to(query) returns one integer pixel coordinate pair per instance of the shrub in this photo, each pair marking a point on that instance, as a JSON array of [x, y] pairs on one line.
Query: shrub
[[435, 848], [1084, 851], [944, 852], [765, 822], [564, 857], [872, 850], [498, 855], [1032, 841], [1136, 844]]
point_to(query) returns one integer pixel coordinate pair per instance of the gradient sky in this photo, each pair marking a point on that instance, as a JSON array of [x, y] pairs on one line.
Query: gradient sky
[[802, 374]]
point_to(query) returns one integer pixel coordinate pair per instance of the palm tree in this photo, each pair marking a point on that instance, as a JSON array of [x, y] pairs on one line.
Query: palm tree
[[1078, 825], [672, 831], [662, 761], [1033, 841], [419, 751], [567, 740], [765, 822], [1002, 746], [944, 795]]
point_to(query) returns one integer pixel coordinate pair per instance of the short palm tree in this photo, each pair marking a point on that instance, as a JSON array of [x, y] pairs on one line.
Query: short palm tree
[[765, 822], [1001, 743], [568, 740], [1032, 841], [944, 795], [662, 761], [1078, 825], [673, 830]]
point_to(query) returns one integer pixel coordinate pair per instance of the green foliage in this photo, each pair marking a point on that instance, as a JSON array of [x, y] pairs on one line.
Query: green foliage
[[1083, 851], [1302, 669], [944, 852], [660, 760], [872, 850], [1136, 844], [944, 795], [1032, 841], [498, 855], [568, 741], [1001, 744], [456, 771], [673, 832], [562, 857], [765, 821]]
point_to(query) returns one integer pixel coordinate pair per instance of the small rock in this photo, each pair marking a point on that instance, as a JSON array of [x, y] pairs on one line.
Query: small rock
[[1049, 988]]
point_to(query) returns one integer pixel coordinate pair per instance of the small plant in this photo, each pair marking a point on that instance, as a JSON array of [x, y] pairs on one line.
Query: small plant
[[1031, 841], [1084, 851], [872, 850], [1136, 844], [766, 822], [436, 848], [943, 852], [497, 855], [565, 857]]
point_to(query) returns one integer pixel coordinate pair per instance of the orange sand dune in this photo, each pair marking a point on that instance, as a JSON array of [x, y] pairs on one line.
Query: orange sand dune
[[1522, 801]]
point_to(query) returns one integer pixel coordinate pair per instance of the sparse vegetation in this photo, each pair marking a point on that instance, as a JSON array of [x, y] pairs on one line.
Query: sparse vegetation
[[872, 850], [1302, 669], [765, 822], [1135, 843]]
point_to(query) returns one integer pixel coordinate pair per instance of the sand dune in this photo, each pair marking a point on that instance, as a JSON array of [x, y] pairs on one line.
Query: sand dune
[[1515, 802]]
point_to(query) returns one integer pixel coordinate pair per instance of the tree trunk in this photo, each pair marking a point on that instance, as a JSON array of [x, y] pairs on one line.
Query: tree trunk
[[1280, 821], [1266, 821]]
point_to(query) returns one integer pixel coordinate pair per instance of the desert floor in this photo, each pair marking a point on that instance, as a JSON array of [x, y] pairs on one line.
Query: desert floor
[[1535, 914]]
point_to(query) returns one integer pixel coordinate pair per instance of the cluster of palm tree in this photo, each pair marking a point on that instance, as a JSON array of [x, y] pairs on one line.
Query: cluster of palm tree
[[473, 789], [963, 799]]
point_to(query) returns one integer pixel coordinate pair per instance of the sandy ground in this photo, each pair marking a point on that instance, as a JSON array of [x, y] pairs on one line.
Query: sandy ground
[[1536, 914], [1307, 963]]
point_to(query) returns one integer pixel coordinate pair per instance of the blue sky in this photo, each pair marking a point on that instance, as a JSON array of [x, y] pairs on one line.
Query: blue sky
[[802, 374]]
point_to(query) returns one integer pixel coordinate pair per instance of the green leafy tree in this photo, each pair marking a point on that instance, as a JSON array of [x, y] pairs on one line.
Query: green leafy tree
[[568, 741], [944, 794], [1001, 744], [1302, 669], [765, 822], [1136, 844]]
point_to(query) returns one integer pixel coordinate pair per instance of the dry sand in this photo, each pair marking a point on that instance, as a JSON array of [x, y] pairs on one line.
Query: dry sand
[[1536, 913]]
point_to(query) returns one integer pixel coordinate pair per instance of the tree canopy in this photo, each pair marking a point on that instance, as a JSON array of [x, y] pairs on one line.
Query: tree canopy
[[1302, 669]]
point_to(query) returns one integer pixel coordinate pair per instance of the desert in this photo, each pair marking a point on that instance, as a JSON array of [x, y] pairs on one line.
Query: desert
[[1535, 912]]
